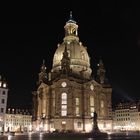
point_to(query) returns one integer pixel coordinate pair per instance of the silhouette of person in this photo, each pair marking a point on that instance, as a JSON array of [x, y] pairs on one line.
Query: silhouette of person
[[95, 117]]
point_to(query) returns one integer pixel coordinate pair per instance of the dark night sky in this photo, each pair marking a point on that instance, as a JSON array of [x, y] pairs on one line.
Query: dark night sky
[[110, 30]]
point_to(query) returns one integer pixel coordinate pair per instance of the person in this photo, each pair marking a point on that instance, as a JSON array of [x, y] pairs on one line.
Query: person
[[95, 117]]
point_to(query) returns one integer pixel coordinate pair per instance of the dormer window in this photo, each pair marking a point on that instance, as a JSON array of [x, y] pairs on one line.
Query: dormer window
[[83, 55]]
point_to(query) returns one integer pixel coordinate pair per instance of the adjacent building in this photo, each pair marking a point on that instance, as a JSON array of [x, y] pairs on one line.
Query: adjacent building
[[127, 116], [3, 102], [68, 95], [18, 120]]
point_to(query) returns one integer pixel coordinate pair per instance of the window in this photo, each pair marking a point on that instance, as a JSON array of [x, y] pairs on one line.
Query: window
[[77, 109], [2, 101], [77, 101], [63, 122], [3, 93], [92, 105], [64, 104], [64, 107], [92, 111], [64, 113], [91, 101], [53, 98], [2, 110], [102, 104]]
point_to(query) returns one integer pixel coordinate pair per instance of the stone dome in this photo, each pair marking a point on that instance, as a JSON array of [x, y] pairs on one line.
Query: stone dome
[[79, 58]]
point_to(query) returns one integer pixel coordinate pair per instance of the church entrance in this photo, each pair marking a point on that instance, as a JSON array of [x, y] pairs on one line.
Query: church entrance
[[63, 125]]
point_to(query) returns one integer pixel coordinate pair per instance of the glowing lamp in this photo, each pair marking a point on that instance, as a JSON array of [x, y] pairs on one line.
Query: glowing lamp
[[4, 85]]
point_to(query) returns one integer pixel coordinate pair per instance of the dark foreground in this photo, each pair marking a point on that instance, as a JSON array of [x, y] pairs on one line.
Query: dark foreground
[[70, 136], [80, 135]]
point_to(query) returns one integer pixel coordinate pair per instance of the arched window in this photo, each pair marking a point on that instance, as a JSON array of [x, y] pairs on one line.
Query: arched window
[[91, 101], [102, 104], [64, 104]]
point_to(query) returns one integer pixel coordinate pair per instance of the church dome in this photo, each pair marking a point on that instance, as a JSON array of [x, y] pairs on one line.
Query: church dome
[[79, 58]]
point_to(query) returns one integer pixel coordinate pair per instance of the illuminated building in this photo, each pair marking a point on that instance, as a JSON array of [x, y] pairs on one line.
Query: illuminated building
[[3, 102], [18, 120], [68, 95], [127, 116]]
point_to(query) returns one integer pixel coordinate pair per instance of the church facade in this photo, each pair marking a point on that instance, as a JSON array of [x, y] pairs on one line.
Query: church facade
[[68, 96]]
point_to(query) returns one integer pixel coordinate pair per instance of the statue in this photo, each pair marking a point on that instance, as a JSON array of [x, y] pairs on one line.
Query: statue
[[95, 124], [95, 130], [95, 117]]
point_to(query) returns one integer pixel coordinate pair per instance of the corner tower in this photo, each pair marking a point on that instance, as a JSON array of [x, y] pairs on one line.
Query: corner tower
[[3, 102]]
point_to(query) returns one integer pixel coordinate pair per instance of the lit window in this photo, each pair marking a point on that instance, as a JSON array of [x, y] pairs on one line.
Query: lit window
[[64, 107], [92, 111], [53, 102], [92, 106], [0, 83], [102, 104], [91, 101], [77, 111], [77, 101], [64, 113], [64, 104], [64, 96], [63, 122]]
